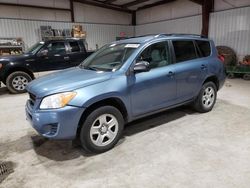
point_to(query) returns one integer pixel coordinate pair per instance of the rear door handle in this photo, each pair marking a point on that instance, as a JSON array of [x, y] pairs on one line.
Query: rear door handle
[[170, 74], [203, 67]]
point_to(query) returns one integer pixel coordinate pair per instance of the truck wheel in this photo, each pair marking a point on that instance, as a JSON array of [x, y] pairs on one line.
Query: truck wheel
[[16, 82], [230, 75], [102, 129], [206, 98], [246, 76]]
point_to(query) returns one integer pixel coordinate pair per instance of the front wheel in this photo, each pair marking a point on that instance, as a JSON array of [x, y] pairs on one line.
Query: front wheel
[[102, 129], [16, 82], [206, 98]]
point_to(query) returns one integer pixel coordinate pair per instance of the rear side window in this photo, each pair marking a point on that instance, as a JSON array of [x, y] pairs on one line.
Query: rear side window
[[184, 50], [204, 47], [74, 46], [82, 46]]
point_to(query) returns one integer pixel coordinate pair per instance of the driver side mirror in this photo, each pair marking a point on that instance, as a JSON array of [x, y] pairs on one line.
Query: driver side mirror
[[141, 66], [43, 53]]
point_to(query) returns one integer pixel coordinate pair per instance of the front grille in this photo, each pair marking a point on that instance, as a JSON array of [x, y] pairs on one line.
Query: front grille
[[50, 129], [53, 129], [32, 99]]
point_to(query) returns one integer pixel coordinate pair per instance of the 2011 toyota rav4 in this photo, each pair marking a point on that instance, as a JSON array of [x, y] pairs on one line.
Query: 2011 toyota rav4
[[124, 81]]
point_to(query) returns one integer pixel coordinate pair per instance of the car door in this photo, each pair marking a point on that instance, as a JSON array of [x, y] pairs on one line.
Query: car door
[[190, 70], [156, 88], [53, 57], [76, 53]]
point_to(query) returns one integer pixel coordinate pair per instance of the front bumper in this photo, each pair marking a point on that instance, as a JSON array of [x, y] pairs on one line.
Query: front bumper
[[55, 123]]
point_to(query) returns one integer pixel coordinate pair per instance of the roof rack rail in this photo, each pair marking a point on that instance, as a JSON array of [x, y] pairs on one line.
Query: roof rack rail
[[182, 34], [170, 34]]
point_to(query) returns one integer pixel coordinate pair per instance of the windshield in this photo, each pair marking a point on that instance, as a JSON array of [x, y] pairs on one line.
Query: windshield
[[33, 49], [110, 57]]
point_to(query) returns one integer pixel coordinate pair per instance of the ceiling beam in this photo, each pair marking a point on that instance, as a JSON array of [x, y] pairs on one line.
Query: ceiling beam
[[109, 1], [133, 3], [207, 7], [34, 6], [200, 2], [156, 4], [72, 11], [108, 6]]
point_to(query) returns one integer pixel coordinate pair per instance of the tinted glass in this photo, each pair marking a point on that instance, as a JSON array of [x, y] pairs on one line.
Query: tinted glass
[[56, 48], [204, 47], [157, 55], [184, 50], [33, 49], [82, 46], [74, 46]]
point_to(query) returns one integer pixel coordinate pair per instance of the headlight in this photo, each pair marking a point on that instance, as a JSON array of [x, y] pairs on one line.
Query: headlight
[[57, 100]]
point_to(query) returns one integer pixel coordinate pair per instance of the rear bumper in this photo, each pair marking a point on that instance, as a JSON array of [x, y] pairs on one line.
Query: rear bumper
[[56, 123]]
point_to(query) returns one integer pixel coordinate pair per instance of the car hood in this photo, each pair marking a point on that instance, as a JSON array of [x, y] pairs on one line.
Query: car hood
[[66, 80], [13, 58]]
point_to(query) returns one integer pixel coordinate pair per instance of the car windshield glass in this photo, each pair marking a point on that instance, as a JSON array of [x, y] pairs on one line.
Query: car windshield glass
[[110, 57], [33, 49]]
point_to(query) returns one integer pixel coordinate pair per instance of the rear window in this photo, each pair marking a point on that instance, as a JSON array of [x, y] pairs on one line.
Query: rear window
[[204, 47], [184, 50]]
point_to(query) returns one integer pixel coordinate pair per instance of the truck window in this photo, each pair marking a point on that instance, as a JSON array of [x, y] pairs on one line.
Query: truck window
[[82, 46], [56, 48], [184, 50], [74, 46]]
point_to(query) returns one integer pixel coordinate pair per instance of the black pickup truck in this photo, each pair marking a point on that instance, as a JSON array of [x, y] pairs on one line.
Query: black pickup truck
[[17, 70]]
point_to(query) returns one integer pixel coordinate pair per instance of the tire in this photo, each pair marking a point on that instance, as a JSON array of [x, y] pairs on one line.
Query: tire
[[230, 75], [207, 97], [246, 76], [98, 134], [17, 81]]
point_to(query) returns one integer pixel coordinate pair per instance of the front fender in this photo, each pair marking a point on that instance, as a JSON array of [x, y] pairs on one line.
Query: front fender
[[113, 88]]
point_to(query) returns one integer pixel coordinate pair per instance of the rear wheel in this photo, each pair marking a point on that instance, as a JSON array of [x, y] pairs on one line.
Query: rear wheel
[[206, 98], [16, 82], [102, 129]]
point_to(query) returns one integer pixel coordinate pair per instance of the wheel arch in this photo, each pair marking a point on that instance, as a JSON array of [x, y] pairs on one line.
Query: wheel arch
[[16, 69], [111, 101], [213, 79]]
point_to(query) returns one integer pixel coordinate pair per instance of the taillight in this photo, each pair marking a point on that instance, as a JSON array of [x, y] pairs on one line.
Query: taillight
[[222, 58]]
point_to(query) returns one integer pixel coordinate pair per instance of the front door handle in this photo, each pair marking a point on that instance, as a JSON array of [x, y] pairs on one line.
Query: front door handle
[[66, 58]]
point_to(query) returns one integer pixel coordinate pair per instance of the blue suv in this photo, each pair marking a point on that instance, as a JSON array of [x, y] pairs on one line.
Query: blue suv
[[124, 81]]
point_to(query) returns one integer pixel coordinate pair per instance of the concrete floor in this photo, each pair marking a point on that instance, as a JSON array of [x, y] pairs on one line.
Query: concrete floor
[[177, 148]]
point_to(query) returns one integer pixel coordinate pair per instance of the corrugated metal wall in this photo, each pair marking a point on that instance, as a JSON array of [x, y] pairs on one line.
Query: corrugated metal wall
[[182, 25], [29, 30], [232, 28], [229, 27]]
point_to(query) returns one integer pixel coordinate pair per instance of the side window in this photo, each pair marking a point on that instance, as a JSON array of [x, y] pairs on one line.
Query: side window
[[82, 46], [184, 50], [74, 46], [56, 48], [204, 47], [156, 54]]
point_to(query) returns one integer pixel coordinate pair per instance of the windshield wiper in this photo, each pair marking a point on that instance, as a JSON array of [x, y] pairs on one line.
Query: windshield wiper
[[88, 68]]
